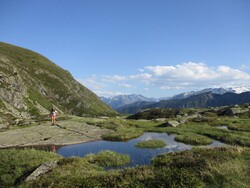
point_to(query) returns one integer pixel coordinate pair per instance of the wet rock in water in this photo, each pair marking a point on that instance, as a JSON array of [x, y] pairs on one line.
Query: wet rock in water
[[42, 169]]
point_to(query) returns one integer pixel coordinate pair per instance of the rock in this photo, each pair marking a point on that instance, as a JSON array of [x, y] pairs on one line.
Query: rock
[[182, 121], [173, 123], [178, 116], [3, 126], [66, 132], [160, 119], [42, 169], [233, 111]]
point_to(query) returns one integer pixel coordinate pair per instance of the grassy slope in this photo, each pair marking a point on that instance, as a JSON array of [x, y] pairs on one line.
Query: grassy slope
[[61, 88]]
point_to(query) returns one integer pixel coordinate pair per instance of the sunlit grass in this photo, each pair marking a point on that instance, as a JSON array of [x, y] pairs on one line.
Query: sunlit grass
[[151, 144], [15, 163], [123, 134], [193, 139]]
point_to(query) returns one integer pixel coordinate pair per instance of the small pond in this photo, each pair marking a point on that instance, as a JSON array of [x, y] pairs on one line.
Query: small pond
[[139, 156]]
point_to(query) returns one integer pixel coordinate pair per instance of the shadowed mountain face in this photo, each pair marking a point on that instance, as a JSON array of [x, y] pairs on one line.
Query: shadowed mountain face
[[30, 85]]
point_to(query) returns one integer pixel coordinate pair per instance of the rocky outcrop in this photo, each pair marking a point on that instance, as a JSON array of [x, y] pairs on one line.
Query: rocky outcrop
[[65, 132], [42, 169]]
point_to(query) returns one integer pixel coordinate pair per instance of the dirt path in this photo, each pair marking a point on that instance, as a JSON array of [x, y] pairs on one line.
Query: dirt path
[[65, 132]]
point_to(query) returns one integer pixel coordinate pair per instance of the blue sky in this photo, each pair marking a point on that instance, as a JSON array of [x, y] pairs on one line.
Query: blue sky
[[156, 48]]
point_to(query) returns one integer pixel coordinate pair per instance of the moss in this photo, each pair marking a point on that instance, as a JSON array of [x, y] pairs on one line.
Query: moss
[[151, 144]]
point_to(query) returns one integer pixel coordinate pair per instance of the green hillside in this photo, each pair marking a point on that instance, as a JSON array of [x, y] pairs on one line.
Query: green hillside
[[30, 85]]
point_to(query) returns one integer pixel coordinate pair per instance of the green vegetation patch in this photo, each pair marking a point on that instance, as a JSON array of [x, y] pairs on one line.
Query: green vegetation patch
[[193, 139], [108, 158], [16, 163], [123, 134], [160, 113], [227, 136], [151, 144], [199, 167], [216, 167], [240, 125]]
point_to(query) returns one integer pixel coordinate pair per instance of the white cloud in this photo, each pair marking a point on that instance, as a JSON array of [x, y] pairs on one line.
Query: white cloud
[[191, 75], [126, 85], [140, 76], [92, 83], [244, 67], [113, 79], [108, 93], [186, 76]]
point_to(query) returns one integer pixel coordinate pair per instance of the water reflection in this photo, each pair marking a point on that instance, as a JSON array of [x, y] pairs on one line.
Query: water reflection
[[139, 156]]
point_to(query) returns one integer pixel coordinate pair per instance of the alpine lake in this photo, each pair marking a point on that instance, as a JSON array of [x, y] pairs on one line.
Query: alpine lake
[[138, 156]]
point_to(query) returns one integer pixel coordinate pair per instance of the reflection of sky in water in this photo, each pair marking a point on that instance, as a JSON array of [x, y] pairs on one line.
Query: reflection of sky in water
[[139, 156]]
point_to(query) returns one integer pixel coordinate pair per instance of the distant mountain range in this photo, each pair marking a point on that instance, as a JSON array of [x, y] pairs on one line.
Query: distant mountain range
[[202, 100], [209, 97], [219, 91], [119, 101]]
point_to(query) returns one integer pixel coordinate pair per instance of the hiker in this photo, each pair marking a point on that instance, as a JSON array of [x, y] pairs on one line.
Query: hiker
[[53, 116], [53, 148]]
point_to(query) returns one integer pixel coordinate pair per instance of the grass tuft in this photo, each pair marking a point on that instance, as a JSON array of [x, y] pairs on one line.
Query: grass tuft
[[151, 144], [123, 134], [193, 139]]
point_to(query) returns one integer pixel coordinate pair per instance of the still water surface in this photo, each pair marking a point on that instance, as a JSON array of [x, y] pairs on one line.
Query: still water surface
[[139, 156]]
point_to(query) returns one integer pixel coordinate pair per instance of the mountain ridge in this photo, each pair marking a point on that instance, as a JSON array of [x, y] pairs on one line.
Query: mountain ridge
[[122, 103], [202, 100], [118, 101], [30, 85]]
